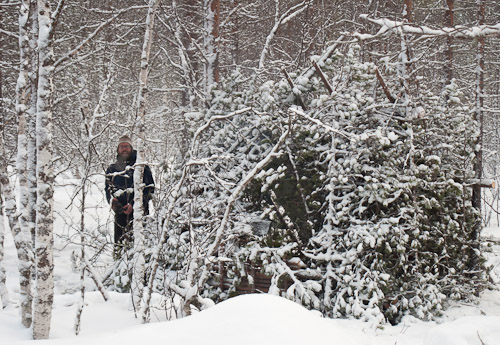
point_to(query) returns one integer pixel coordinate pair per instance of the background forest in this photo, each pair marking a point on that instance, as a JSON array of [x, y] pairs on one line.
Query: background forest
[[339, 154]]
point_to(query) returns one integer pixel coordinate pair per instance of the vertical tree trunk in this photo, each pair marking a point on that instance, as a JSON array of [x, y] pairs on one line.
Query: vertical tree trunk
[[45, 177], [405, 58], [479, 117], [449, 20], [23, 236], [138, 273], [31, 120], [187, 51], [79, 311], [4, 293], [212, 22], [235, 36]]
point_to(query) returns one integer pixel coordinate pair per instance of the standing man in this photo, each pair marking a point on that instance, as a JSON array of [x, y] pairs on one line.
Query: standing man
[[120, 191]]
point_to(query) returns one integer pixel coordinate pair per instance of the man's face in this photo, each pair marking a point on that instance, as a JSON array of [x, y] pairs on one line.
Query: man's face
[[124, 150]]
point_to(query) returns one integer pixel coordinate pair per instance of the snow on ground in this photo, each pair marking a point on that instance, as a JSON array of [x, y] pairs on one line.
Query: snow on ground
[[249, 319]]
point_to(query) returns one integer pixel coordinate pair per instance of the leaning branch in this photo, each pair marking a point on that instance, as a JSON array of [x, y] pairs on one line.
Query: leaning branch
[[97, 281], [212, 249], [387, 92]]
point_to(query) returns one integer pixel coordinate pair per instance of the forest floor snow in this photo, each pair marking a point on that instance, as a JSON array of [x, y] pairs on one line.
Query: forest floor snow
[[249, 319]]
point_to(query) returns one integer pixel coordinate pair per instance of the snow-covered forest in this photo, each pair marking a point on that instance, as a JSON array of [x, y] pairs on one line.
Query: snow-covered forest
[[339, 154]]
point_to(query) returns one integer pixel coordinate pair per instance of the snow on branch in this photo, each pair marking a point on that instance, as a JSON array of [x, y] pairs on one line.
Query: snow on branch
[[212, 119], [291, 13], [241, 186], [388, 25], [318, 122], [90, 37]]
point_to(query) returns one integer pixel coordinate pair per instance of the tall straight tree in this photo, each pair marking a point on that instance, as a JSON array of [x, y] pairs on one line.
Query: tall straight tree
[[138, 273], [17, 217], [479, 117], [449, 19], [23, 235], [44, 294], [4, 293], [31, 122]]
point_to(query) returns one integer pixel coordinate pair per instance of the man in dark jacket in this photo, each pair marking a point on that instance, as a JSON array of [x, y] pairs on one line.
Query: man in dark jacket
[[120, 191]]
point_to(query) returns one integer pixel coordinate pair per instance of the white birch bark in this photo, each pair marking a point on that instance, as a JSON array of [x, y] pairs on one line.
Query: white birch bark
[[137, 284], [45, 176], [22, 236], [79, 311], [22, 240], [31, 120], [4, 293]]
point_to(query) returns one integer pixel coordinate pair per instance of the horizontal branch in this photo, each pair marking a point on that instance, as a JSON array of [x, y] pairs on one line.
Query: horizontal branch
[[388, 25], [483, 183]]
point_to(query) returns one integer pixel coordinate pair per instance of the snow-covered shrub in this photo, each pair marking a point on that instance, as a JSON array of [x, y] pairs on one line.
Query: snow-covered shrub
[[368, 207]]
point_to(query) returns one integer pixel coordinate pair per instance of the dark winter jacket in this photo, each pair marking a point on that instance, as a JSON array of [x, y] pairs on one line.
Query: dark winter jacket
[[120, 182]]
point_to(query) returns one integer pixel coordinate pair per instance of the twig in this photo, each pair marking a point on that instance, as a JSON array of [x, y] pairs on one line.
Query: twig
[[481, 340]]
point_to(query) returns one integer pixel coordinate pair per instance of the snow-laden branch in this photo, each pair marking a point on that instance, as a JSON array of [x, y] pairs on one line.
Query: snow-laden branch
[[212, 119], [241, 186], [388, 25], [291, 13], [93, 274], [214, 246], [8, 33], [148, 290], [318, 122], [320, 61], [92, 35]]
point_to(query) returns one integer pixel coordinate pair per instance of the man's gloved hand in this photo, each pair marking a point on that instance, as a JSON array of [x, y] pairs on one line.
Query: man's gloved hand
[[128, 209], [115, 205]]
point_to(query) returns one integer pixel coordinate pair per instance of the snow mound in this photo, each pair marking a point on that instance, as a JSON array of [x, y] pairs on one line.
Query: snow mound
[[248, 319]]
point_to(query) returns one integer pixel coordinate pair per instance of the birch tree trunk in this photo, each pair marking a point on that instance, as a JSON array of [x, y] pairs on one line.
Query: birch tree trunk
[[31, 120], [23, 236], [22, 240], [78, 320], [44, 219], [4, 293], [139, 262]]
